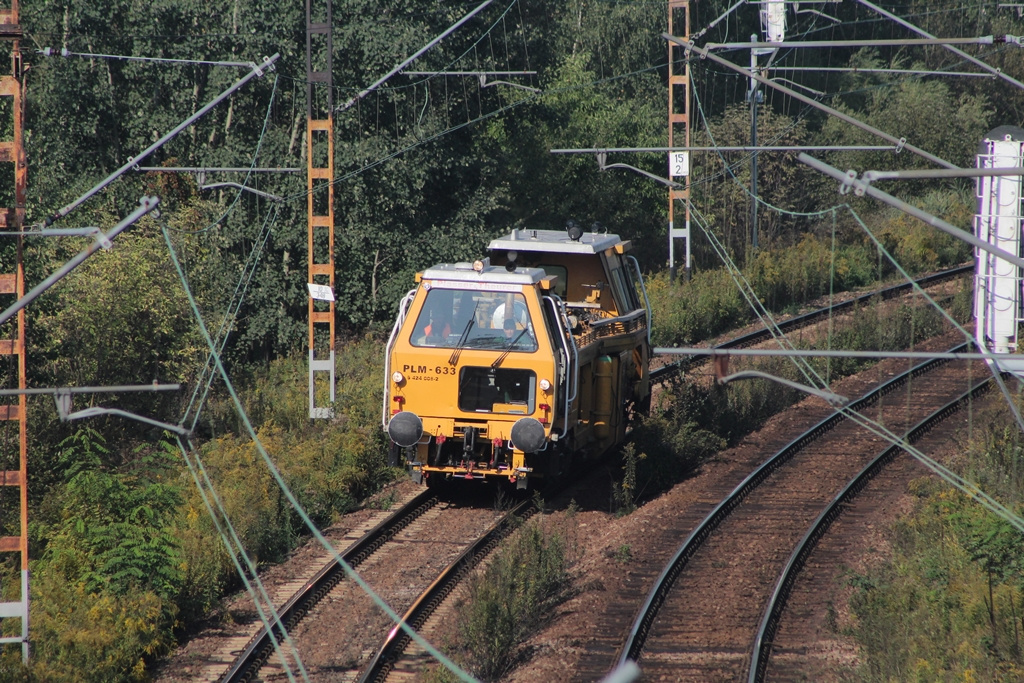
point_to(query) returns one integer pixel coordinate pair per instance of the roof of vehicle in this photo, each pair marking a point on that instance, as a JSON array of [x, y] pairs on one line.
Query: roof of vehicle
[[464, 273], [554, 241]]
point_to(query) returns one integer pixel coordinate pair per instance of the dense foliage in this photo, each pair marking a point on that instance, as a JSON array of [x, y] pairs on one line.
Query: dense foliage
[[124, 553], [947, 604]]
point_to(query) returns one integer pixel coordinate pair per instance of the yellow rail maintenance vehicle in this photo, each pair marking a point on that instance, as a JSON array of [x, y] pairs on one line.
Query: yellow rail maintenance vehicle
[[510, 367]]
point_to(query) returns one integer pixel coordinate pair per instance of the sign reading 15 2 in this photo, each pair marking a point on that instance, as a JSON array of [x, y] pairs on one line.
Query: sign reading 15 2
[[678, 164]]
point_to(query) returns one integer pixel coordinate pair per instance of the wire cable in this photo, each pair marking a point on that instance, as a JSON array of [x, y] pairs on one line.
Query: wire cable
[[249, 174], [286, 490], [207, 375], [235, 548], [64, 52]]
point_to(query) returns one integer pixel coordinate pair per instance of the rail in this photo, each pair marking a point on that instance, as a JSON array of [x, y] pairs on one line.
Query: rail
[[252, 658], [641, 626], [420, 611], [787, 578]]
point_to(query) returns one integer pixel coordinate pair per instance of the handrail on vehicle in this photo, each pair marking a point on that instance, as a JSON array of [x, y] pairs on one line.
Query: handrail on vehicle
[[571, 357], [643, 288], [627, 318], [403, 307]]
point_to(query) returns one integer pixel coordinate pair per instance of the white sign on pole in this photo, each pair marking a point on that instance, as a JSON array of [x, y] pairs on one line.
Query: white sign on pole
[[320, 292], [678, 164]]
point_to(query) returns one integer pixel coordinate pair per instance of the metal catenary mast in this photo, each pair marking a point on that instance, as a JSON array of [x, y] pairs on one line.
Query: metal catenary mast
[[678, 116], [320, 201], [13, 412]]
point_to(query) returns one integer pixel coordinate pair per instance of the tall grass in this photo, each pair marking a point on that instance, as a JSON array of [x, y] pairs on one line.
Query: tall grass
[[330, 465], [710, 303]]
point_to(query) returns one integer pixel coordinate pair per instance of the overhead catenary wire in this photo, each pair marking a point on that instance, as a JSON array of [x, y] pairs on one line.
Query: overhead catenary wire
[[831, 44], [256, 71], [921, 32], [848, 181], [64, 52], [901, 142], [286, 490], [997, 378], [146, 205], [993, 367], [963, 484], [255, 159], [222, 346], [426, 48], [206, 376]]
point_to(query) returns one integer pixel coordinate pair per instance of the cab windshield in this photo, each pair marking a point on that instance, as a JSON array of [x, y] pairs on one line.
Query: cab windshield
[[474, 319]]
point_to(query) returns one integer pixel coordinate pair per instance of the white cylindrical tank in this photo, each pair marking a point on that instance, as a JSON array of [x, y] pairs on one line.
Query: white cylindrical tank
[[773, 21], [998, 283]]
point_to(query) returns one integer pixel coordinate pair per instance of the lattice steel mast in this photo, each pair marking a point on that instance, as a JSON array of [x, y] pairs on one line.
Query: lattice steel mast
[[678, 116], [320, 201], [14, 413]]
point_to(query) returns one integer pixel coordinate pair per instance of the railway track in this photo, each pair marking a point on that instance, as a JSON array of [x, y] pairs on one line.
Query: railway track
[[246, 666], [319, 644], [811, 317], [687, 628], [764, 639], [393, 656]]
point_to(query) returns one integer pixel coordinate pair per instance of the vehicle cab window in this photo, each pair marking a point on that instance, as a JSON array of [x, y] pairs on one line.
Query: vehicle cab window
[[475, 319]]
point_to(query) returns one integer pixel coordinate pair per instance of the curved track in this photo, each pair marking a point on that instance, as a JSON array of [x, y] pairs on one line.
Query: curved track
[[766, 632], [688, 629], [260, 647], [248, 663]]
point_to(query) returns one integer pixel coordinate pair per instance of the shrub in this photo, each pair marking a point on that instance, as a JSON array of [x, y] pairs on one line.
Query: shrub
[[947, 605], [527, 578], [103, 591], [81, 635]]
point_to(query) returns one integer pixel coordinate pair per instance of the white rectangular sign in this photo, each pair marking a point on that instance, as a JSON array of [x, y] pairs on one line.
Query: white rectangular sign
[[678, 164], [320, 292]]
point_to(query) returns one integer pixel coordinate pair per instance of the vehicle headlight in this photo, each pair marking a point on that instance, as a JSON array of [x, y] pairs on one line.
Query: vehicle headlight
[[545, 385], [397, 377]]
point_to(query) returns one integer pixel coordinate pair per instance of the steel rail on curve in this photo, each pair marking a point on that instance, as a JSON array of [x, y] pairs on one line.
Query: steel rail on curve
[[787, 578], [637, 637]]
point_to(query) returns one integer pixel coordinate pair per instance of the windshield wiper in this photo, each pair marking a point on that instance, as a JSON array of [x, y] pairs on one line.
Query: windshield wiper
[[454, 358], [508, 349]]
